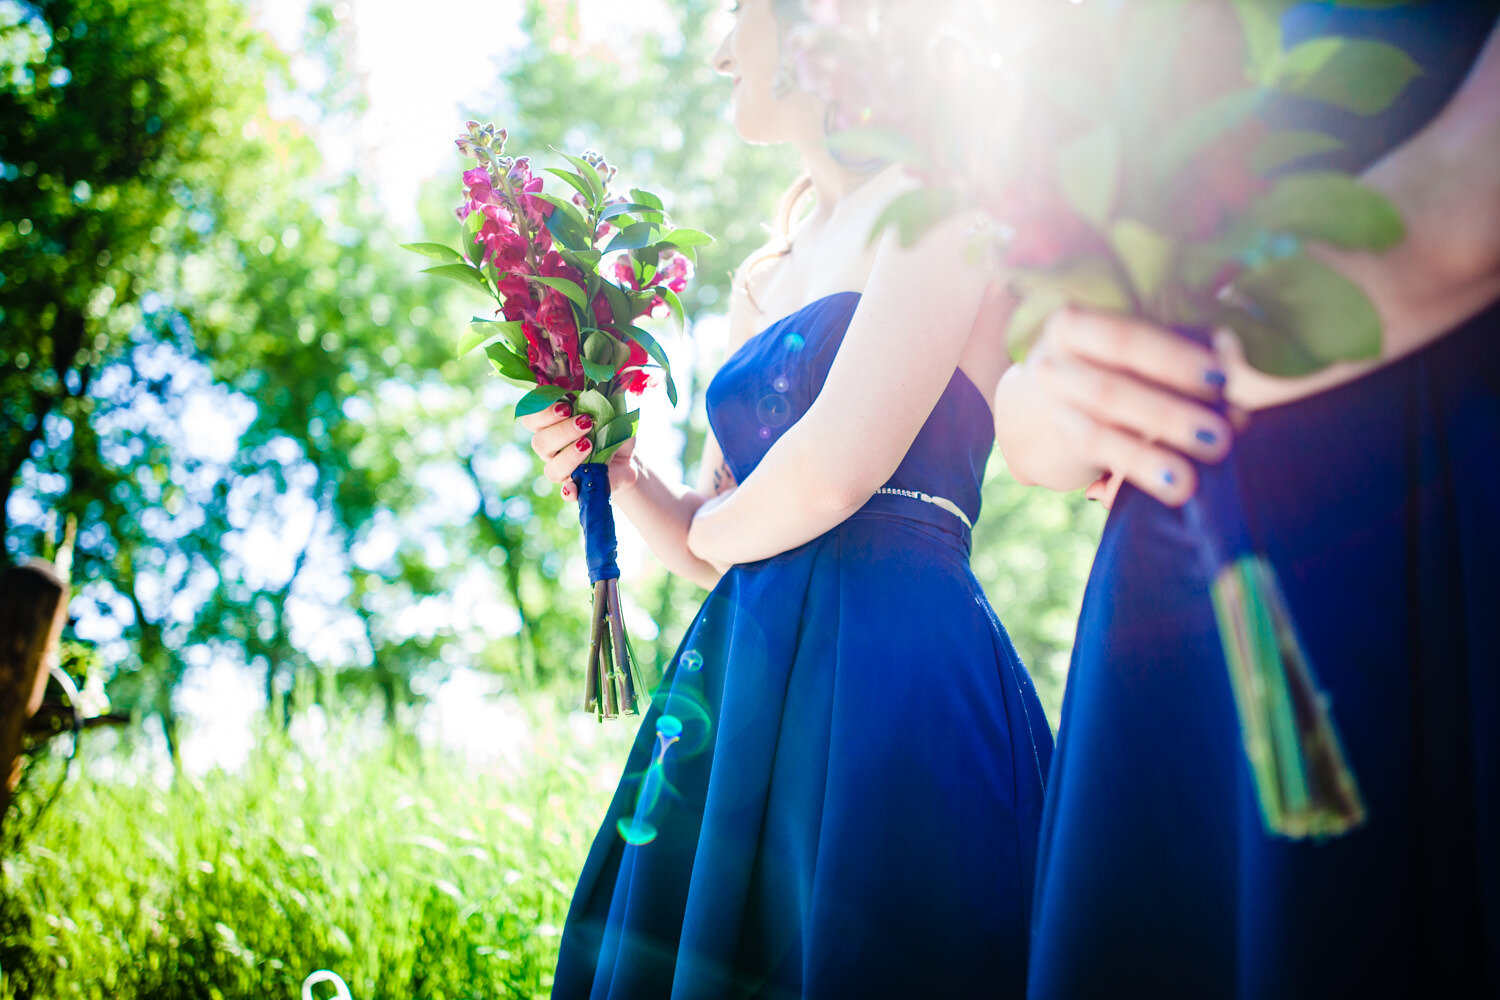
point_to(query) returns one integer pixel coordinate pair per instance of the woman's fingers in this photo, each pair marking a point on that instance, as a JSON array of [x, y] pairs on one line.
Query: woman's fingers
[[546, 418], [1158, 470], [561, 441], [1149, 352], [1132, 404], [559, 468], [560, 436]]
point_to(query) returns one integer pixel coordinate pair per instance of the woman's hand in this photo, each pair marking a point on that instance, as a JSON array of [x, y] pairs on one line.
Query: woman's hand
[[1102, 399], [561, 441]]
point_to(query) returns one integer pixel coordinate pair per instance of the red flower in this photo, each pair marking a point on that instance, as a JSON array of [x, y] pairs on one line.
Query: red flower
[[552, 344], [1046, 231], [625, 272], [636, 381], [675, 272], [603, 315], [553, 266], [1219, 181], [504, 248], [556, 315]]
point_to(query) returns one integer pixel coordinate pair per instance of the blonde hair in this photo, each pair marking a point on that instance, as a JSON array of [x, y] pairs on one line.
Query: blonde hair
[[780, 243]]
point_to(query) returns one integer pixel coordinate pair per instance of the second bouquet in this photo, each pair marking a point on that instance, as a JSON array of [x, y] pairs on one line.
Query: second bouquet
[[570, 278]]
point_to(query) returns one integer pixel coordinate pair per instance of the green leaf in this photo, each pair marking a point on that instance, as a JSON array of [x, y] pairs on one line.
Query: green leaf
[[618, 430], [575, 181], [476, 247], [914, 213], [671, 387], [461, 273], [619, 303], [483, 332], [1330, 207], [1145, 254], [598, 372], [1261, 22], [538, 400], [568, 287], [1300, 315], [563, 205], [687, 238], [436, 251], [1089, 174], [1028, 318], [631, 208], [646, 198], [509, 364], [673, 303], [1090, 282], [1202, 127], [1357, 74], [569, 232], [584, 260], [595, 404], [647, 341], [1280, 148], [634, 237], [1198, 265], [591, 176]]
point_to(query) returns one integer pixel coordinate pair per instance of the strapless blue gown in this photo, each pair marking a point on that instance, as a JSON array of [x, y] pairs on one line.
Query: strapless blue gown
[[837, 788], [1377, 502]]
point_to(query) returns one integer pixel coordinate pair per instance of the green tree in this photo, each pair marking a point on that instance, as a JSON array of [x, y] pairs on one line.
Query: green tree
[[168, 244]]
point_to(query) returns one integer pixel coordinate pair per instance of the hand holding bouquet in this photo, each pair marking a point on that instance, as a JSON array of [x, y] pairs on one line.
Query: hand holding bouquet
[[1127, 168], [565, 331]]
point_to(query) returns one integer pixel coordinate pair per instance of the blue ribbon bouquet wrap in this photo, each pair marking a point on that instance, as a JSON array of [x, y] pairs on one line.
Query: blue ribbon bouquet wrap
[[611, 683]]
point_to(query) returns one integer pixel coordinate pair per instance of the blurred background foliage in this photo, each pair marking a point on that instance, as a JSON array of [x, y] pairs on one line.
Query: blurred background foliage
[[213, 358]]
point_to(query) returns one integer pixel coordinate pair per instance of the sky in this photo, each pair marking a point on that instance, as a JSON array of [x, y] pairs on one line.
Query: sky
[[418, 64]]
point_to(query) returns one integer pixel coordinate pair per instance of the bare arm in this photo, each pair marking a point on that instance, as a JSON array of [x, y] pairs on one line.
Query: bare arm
[[1445, 182], [898, 355]]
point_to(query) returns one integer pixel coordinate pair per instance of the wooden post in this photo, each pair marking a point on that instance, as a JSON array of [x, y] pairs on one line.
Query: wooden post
[[33, 610]]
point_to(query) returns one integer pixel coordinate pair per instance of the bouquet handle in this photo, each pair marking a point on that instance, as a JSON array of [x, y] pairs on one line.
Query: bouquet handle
[[611, 679], [1303, 783]]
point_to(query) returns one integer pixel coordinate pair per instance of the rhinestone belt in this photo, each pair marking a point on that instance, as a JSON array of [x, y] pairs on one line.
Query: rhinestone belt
[[942, 502]]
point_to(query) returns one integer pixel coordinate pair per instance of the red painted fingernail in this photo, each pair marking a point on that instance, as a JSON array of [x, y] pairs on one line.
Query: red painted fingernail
[[562, 409], [584, 421], [567, 491], [582, 444]]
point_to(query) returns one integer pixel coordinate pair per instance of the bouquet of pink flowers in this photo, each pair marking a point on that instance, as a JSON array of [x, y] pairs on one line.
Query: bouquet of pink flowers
[[1126, 167], [566, 331]]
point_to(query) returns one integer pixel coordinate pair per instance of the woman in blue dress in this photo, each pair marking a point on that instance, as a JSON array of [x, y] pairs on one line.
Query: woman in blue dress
[[1373, 490], [837, 788]]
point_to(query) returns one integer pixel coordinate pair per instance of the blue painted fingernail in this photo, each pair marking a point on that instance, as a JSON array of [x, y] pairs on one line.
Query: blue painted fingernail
[[1207, 436], [1214, 378], [1169, 477]]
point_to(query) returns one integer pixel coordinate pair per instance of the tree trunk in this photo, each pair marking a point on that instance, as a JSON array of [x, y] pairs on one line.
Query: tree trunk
[[33, 610]]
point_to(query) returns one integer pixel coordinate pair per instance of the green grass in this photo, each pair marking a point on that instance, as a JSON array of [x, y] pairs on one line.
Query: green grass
[[428, 879]]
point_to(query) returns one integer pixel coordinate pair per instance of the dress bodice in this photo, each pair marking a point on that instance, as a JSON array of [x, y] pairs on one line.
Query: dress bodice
[[768, 384]]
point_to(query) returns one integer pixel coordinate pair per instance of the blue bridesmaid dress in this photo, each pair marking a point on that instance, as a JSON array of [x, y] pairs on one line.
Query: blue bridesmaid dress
[[837, 788], [1377, 502]]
